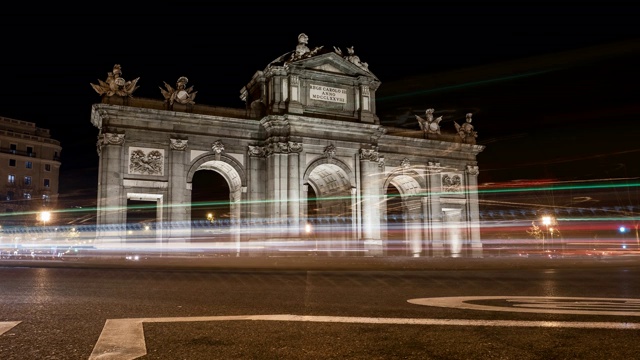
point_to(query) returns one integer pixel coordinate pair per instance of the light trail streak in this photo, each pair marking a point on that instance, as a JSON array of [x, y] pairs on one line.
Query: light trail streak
[[464, 85]]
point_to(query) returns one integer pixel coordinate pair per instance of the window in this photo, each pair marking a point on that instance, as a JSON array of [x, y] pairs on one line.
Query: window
[[11, 179], [9, 195], [28, 164], [12, 162], [27, 195], [13, 148], [47, 167], [46, 183], [27, 180], [30, 150]]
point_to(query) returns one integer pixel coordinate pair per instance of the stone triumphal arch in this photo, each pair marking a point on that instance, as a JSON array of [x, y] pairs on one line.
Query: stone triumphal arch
[[306, 164]]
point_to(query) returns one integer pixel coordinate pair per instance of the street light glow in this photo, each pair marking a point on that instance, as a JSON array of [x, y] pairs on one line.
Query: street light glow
[[45, 216]]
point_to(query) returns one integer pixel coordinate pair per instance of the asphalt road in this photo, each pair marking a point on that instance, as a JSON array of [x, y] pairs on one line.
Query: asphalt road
[[321, 308]]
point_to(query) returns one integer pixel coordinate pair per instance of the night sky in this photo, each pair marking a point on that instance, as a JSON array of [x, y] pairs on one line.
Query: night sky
[[553, 87]]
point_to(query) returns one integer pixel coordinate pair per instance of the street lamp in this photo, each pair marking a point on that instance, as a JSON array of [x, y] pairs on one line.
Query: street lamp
[[44, 217]]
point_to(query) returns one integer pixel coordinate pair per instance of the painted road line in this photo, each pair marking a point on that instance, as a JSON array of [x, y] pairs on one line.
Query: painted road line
[[123, 339], [539, 304], [7, 325]]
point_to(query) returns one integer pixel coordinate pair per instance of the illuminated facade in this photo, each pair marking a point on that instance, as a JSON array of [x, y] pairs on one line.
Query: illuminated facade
[[307, 151], [30, 170]]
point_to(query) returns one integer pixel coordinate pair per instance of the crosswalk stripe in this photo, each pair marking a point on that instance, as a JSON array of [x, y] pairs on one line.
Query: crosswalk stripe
[[7, 325], [123, 339]]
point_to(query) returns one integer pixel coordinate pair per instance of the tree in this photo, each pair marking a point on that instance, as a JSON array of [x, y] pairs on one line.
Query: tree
[[535, 231]]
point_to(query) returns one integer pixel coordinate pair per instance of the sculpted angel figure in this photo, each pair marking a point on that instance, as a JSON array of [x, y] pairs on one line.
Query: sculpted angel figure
[[356, 59], [180, 94], [302, 50], [115, 84], [429, 125], [466, 131]]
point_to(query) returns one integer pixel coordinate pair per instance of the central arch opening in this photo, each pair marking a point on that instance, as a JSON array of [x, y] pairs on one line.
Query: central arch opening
[[329, 209], [210, 207]]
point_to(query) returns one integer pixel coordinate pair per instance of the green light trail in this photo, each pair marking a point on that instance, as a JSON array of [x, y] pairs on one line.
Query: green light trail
[[464, 85], [560, 187]]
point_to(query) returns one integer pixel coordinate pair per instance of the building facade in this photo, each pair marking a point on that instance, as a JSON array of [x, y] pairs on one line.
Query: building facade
[[306, 164], [30, 171]]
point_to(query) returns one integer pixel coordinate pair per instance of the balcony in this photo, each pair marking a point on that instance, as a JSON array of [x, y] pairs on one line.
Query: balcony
[[18, 152]]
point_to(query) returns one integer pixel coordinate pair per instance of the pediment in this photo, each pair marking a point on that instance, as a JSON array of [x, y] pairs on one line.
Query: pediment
[[328, 67], [332, 63]]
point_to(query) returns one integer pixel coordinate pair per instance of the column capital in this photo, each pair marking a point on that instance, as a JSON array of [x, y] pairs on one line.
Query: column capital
[[108, 139], [111, 139], [289, 147], [295, 147], [370, 154], [434, 167], [257, 151], [472, 170]]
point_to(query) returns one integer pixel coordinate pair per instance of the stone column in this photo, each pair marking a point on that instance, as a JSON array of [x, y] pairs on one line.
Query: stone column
[[179, 213], [257, 213], [355, 229], [414, 226], [473, 210], [293, 197], [111, 200], [277, 188], [370, 197], [433, 209]]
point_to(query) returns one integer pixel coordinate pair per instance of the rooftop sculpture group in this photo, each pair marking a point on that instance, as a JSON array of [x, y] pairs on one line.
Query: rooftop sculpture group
[[181, 94], [352, 57], [116, 84], [466, 131], [431, 126]]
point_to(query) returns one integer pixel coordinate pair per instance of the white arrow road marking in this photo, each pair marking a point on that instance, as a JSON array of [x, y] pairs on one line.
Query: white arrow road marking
[[123, 339], [7, 325], [538, 304]]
